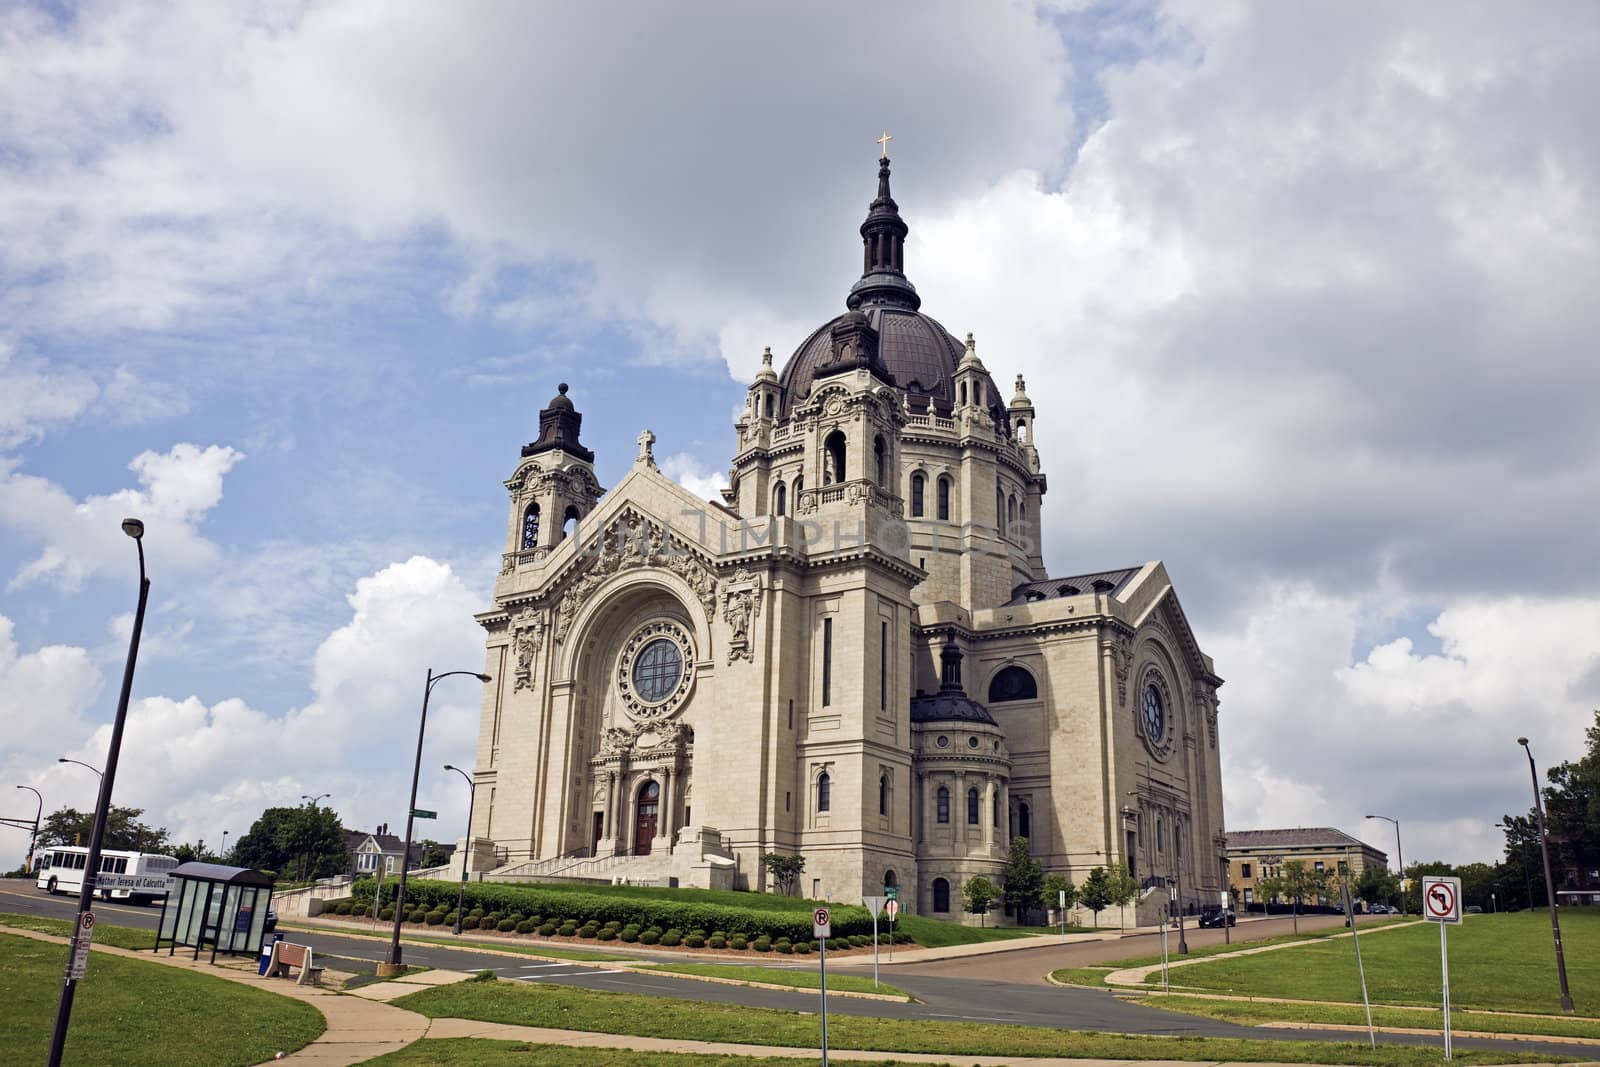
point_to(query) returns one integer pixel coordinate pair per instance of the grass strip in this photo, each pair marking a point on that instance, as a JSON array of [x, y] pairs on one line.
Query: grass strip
[[795, 978], [1253, 1013], [104, 933], [130, 1011], [472, 1052], [521, 949], [569, 1008]]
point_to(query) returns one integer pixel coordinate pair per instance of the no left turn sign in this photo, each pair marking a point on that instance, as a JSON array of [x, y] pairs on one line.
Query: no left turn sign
[[1441, 899]]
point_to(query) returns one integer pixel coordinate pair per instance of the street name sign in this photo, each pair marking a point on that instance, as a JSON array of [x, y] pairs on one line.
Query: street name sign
[[419, 813]]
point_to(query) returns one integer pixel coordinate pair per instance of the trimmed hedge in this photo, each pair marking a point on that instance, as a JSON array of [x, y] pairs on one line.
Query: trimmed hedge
[[573, 904]]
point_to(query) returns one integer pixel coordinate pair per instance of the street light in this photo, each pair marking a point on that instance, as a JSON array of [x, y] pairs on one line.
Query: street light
[[472, 795], [134, 528], [79, 762], [1549, 886], [1399, 856], [224, 853], [393, 964], [33, 842]]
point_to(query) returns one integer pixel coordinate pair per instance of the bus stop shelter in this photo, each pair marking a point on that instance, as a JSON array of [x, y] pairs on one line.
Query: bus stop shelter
[[209, 904]]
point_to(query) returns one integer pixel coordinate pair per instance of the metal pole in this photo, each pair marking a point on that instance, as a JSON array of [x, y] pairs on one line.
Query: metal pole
[[1183, 944], [405, 851], [1444, 970], [472, 796], [33, 842], [1355, 939], [874, 950], [91, 867], [822, 979], [1549, 885]]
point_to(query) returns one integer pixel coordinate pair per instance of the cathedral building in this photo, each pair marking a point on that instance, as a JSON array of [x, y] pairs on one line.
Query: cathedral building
[[856, 655]]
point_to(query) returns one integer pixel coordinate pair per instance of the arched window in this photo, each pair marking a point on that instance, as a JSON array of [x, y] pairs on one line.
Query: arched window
[[883, 794], [1022, 431], [1024, 822], [1011, 511], [1022, 511], [569, 521], [972, 807], [942, 804], [769, 405], [824, 791], [1013, 683], [944, 497], [999, 510], [890, 879], [530, 527], [918, 483], [833, 458], [961, 393], [941, 895], [780, 500], [799, 484], [880, 460]]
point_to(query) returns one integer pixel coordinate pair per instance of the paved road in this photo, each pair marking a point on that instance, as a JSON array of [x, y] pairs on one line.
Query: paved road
[[980, 998]]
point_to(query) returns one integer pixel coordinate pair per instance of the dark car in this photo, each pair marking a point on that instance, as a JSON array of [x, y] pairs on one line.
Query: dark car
[[1219, 917]]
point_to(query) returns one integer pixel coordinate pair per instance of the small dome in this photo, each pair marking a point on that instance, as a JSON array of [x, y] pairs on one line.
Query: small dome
[[560, 402], [913, 347], [949, 707]]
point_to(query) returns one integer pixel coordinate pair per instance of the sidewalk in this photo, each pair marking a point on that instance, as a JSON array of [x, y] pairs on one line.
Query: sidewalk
[[359, 1028]]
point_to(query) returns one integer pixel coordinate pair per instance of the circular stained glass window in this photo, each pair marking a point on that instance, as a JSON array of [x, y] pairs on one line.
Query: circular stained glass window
[[657, 670], [1155, 715]]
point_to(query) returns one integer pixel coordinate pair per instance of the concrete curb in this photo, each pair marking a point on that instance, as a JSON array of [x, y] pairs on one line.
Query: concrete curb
[[655, 968]]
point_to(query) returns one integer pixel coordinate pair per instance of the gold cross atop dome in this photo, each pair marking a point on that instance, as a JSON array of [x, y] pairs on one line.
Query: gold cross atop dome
[[884, 141]]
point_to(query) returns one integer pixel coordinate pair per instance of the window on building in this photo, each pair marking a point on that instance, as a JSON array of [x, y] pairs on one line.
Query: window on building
[[883, 667], [833, 455], [791, 715], [999, 510], [1318, 866], [944, 497], [827, 662], [918, 484], [942, 805], [569, 522], [972, 807], [961, 394], [824, 791], [530, 527], [1012, 683], [780, 500], [883, 794], [1161, 845], [770, 405], [880, 461], [1024, 821], [1011, 511], [995, 810], [785, 800], [941, 895], [1244, 870]]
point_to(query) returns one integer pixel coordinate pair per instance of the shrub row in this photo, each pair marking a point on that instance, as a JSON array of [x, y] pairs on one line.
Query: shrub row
[[573, 906]]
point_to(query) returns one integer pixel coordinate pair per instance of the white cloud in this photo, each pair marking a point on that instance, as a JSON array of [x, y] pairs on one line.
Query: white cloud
[[200, 768], [34, 396], [687, 471], [81, 537]]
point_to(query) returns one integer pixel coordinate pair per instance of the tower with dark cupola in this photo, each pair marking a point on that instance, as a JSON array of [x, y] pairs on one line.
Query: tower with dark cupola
[[554, 485]]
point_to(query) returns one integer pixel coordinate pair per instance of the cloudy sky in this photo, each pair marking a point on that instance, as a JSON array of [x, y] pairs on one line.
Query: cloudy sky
[[1305, 296]]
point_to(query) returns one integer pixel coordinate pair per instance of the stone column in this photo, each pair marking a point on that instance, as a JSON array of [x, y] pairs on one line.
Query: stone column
[[664, 810], [991, 798], [1003, 792], [958, 817]]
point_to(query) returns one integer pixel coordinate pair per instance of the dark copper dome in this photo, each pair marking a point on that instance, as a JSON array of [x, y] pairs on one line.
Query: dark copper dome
[[918, 353]]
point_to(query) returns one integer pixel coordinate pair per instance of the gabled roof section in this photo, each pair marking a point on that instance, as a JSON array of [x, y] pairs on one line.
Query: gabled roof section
[[1110, 582], [1305, 838]]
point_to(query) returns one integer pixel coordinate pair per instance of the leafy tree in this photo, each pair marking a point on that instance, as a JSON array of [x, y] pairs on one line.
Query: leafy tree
[[306, 840], [1124, 887], [980, 895], [785, 871], [69, 826], [1414, 875], [1296, 882], [1024, 881], [1054, 886], [1378, 885], [1522, 871], [434, 854], [1572, 810], [1096, 893]]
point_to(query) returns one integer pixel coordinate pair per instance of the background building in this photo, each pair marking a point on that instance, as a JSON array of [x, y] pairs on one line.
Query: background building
[[1255, 855]]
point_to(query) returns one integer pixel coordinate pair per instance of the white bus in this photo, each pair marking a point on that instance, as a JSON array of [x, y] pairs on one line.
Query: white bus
[[138, 877]]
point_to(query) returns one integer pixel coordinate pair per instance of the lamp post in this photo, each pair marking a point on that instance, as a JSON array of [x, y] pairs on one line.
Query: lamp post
[[1399, 856], [394, 965], [134, 528], [305, 857], [472, 795], [223, 855], [33, 842], [1549, 886], [79, 762]]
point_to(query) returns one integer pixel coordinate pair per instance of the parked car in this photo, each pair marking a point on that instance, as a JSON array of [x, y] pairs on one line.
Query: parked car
[[1219, 917], [1473, 909], [1379, 909]]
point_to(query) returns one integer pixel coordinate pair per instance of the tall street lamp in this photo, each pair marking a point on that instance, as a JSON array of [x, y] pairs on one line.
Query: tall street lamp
[[33, 842], [1399, 856], [472, 795], [224, 853], [393, 965], [1549, 886], [134, 528], [79, 762]]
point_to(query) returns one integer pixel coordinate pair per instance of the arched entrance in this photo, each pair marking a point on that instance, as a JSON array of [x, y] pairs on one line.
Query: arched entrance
[[647, 817]]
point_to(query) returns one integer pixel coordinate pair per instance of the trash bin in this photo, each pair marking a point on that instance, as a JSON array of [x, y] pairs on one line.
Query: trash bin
[[266, 951]]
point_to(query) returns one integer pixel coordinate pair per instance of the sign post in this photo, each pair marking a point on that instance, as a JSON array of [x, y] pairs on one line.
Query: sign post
[[822, 929], [82, 938], [1355, 939], [1061, 910], [891, 908], [874, 905], [1441, 903]]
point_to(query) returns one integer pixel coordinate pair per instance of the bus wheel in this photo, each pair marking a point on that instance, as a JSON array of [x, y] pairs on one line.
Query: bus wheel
[[50, 886]]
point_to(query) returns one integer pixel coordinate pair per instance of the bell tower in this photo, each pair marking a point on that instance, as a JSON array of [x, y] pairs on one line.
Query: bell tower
[[555, 485]]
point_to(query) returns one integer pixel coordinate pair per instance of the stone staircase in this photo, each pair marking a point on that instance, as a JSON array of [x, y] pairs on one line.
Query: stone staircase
[[636, 870]]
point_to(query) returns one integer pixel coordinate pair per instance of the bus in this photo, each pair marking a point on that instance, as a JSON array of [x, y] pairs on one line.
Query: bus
[[137, 877]]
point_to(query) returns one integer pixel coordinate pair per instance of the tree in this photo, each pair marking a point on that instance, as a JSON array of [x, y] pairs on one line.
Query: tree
[[1124, 888], [1414, 874], [1378, 885], [69, 826], [785, 871], [1024, 881], [1296, 882], [1096, 892], [1059, 892], [433, 854], [980, 895], [307, 840]]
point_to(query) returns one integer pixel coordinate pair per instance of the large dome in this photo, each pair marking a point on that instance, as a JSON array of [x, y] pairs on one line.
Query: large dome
[[918, 352]]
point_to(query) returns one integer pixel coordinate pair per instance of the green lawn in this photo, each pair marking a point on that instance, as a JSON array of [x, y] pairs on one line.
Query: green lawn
[[626, 1013], [130, 1011], [104, 933], [1254, 1012], [471, 1052], [799, 979], [1497, 963]]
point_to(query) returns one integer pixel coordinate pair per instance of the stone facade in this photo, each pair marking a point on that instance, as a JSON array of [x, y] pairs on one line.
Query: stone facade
[[856, 654]]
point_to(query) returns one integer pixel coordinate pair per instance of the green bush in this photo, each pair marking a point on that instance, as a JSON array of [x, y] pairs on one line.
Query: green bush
[[607, 934], [588, 931], [612, 925], [537, 920], [547, 930], [505, 926], [629, 934], [475, 913], [386, 913], [695, 940], [489, 922], [762, 944], [738, 943], [671, 939], [650, 936], [802, 947], [839, 944], [342, 908], [435, 918], [526, 926], [782, 945], [716, 941], [418, 916]]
